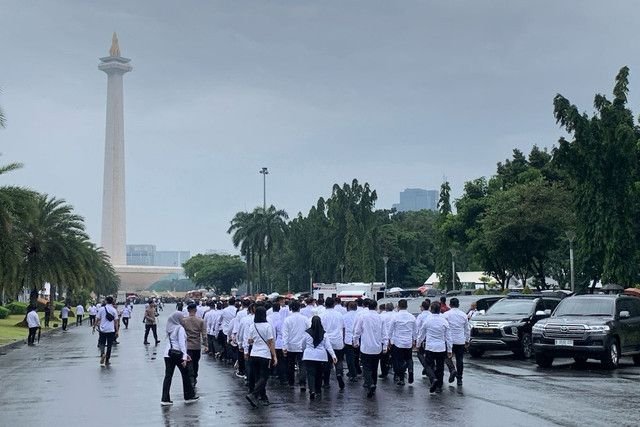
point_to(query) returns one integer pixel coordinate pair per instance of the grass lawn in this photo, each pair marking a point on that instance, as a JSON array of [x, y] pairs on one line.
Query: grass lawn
[[10, 333]]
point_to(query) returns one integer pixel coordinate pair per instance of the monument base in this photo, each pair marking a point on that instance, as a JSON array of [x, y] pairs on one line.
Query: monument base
[[135, 278]]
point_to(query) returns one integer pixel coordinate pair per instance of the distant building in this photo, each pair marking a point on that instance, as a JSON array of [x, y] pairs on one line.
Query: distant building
[[417, 199], [148, 255]]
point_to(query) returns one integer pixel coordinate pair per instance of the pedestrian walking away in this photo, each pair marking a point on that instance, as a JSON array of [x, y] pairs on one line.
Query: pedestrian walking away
[[371, 338], [47, 314], [93, 310], [175, 355], [107, 328], [277, 322], [64, 315], [79, 314], [263, 357], [460, 336], [333, 325], [316, 351], [33, 322], [402, 336], [349, 352], [150, 323], [196, 334], [126, 315], [295, 326], [436, 336]]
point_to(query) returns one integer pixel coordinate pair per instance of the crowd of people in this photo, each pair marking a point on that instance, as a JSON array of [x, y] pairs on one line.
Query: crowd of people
[[304, 344]]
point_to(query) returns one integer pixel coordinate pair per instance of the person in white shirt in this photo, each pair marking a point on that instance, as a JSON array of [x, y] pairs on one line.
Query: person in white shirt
[[424, 313], [473, 310], [402, 337], [277, 322], [64, 315], [339, 307], [227, 316], [316, 352], [211, 317], [234, 335], [126, 315], [93, 310], [333, 325], [293, 332], [436, 335], [385, 359], [33, 322], [262, 356], [460, 335], [370, 336], [176, 340], [79, 314], [106, 320], [243, 340], [349, 320], [310, 308]]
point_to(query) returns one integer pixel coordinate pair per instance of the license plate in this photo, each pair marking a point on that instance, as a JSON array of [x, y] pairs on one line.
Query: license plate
[[485, 330], [566, 343]]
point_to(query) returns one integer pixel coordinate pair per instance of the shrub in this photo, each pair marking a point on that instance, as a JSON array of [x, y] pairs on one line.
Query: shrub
[[17, 307], [4, 312], [480, 292], [505, 291], [527, 290], [58, 305]]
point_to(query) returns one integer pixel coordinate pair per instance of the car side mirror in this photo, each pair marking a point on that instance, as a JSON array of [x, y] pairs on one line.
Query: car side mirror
[[482, 312], [625, 314], [540, 313]]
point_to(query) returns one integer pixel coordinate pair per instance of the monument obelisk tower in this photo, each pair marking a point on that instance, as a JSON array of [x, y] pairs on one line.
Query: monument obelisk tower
[[113, 195]]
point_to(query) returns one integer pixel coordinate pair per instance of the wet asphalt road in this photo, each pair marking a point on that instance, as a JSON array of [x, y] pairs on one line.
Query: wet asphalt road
[[61, 380]]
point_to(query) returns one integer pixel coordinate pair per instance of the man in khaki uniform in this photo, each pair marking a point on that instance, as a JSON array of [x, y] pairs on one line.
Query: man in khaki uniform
[[196, 334]]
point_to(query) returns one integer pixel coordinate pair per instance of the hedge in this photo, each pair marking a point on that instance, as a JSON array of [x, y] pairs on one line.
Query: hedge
[[17, 307], [4, 312]]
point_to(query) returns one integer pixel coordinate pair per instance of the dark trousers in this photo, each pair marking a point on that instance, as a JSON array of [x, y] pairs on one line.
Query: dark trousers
[[32, 335], [258, 376], [370, 369], [350, 356], [458, 352], [194, 365], [339, 365], [92, 319], [281, 367], [211, 341], [435, 366], [64, 324], [294, 359], [449, 362], [315, 369], [125, 320], [357, 360], [47, 319], [79, 319], [169, 369], [385, 363], [153, 328], [242, 366], [106, 339], [402, 361]]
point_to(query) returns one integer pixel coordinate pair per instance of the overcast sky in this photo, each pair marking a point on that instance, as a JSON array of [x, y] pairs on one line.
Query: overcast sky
[[398, 94]]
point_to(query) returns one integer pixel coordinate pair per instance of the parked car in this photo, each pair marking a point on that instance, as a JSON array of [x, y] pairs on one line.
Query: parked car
[[603, 327], [507, 324]]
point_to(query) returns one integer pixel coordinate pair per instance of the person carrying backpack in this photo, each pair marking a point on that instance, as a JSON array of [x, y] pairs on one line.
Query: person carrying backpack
[[107, 328]]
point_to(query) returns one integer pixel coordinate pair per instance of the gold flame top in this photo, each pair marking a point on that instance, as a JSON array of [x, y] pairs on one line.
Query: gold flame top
[[115, 48]]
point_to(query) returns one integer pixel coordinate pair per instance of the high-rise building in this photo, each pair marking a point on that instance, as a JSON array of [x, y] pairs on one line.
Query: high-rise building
[[417, 199], [141, 255], [171, 258]]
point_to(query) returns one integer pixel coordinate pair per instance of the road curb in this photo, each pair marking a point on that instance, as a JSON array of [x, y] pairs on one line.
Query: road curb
[[22, 342]]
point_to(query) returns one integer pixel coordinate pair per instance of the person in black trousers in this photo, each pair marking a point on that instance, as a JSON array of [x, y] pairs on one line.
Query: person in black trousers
[[177, 340], [150, 323], [262, 356]]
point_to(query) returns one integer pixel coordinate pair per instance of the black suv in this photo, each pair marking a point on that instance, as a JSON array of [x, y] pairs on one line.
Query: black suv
[[507, 324], [603, 327]]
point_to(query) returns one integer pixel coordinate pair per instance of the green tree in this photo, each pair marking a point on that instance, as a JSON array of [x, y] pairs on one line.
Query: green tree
[[215, 271]]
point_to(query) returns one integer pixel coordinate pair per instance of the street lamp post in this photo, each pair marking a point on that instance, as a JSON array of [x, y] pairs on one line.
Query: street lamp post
[[288, 284], [454, 252], [264, 172], [310, 283], [571, 235], [341, 273], [386, 260]]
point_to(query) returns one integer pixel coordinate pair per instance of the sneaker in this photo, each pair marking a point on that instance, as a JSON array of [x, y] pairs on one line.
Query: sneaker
[[192, 400], [410, 377], [459, 382], [265, 402], [372, 391], [146, 343], [434, 386], [252, 400], [107, 362], [166, 403], [239, 375], [102, 359], [452, 376], [341, 383]]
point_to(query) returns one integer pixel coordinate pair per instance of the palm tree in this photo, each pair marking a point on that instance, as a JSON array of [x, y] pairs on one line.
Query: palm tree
[[243, 229], [274, 230]]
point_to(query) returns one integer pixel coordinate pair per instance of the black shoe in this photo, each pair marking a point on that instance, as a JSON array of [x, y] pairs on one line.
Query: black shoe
[[452, 376], [410, 377], [192, 400], [341, 383], [157, 342], [146, 343], [353, 379], [382, 377], [424, 372], [439, 389], [372, 391], [252, 400], [434, 386], [312, 395], [459, 382], [265, 402], [303, 389]]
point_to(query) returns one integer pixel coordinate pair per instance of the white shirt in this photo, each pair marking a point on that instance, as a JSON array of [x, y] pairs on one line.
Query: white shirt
[[318, 353], [79, 310], [370, 333], [101, 317], [333, 327], [436, 334], [33, 321], [211, 321], [295, 326], [64, 312], [260, 333], [93, 310], [177, 341], [421, 318], [126, 312], [239, 316], [340, 309], [386, 317], [276, 322], [402, 329], [308, 311], [349, 320], [243, 336], [228, 314], [458, 326]]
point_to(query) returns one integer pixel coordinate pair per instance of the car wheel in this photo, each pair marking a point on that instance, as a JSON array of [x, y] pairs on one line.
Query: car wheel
[[544, 360], [476, 352], [611, 355], [636, 359], [526, 347]]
